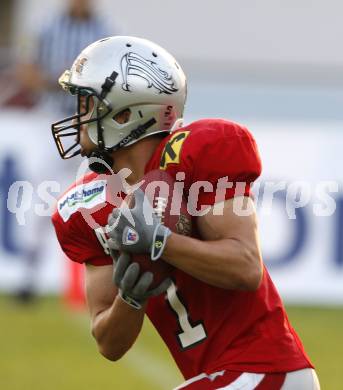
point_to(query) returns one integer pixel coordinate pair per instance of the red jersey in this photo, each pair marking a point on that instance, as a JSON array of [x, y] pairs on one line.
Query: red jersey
[[206, 328]]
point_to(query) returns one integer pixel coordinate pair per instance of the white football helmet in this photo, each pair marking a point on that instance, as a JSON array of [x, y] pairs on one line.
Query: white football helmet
[[122, 73]]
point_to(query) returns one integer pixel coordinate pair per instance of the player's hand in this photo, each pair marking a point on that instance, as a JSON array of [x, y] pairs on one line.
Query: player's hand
[[137, 230], [134, 288]]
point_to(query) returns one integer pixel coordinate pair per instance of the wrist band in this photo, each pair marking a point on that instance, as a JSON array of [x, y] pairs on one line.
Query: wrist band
[[130, 301], [159, 241]]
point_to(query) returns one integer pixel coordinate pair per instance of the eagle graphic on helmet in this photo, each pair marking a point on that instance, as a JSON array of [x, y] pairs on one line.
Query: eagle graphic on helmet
[[132, 64]]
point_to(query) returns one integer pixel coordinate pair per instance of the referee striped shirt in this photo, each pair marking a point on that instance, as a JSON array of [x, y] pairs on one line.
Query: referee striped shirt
[[58, 46]]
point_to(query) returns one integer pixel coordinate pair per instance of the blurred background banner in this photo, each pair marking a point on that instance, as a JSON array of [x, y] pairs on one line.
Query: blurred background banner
[[301, 224], [31, 177], [303, 251]]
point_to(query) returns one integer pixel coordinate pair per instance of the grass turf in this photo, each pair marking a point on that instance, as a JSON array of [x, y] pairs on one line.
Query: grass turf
[[44, 345]]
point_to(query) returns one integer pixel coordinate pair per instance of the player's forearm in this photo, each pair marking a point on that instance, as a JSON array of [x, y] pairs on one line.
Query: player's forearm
[[116, 329], [225, 263]]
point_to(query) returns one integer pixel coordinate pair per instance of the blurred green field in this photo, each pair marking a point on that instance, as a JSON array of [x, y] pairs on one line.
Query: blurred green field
[[45, 346]]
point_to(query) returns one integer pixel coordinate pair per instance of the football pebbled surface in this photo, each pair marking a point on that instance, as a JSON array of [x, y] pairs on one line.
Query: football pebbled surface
[[165, 196]]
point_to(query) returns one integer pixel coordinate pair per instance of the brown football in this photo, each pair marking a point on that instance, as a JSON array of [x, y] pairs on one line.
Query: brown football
[[169, 204]]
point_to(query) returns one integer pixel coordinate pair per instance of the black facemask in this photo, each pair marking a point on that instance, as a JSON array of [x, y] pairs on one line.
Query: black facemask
[[66, 128]]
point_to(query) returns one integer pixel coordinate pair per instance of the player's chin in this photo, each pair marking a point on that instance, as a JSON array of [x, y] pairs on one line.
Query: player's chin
[[85, 153]]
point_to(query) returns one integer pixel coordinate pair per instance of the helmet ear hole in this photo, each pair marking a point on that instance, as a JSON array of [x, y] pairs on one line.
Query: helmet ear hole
[[123, 116]]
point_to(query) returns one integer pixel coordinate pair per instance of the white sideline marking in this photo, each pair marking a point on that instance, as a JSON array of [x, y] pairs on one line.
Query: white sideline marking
[[147, 366], [153, 370]]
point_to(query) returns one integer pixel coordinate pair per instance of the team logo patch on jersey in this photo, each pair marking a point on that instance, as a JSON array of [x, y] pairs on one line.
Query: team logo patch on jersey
[[83, 196], [172, 150], [130, 236], [132, 64]]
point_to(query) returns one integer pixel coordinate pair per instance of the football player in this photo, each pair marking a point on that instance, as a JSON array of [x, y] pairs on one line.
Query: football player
[[219, 313]]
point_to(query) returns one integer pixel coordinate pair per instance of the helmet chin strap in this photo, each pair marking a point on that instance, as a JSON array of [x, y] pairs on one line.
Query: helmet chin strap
[[100, 160]]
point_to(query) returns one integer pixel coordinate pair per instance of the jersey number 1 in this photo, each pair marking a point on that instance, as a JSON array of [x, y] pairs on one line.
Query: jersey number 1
[[190, 334]]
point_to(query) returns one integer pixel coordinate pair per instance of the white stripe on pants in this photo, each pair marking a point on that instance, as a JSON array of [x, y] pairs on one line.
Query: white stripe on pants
[[305, 379]]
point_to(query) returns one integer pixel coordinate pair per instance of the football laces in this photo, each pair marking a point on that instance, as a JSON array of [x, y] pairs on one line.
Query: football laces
[[160, 207]]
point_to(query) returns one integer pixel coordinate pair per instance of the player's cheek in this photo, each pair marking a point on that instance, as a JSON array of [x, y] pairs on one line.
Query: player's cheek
[[85, 141]]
